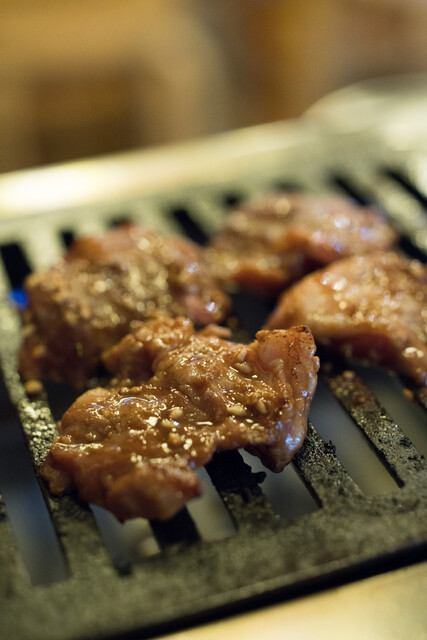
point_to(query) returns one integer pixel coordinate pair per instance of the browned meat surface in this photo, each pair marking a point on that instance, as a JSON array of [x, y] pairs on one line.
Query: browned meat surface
[[133, 448], [90, 299], [266, 246], [373, 307]]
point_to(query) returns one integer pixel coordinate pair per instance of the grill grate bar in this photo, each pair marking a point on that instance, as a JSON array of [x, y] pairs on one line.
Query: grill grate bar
[[412, 175], [87, 224], [391, 444], [402, 209], [42, 247], [79, 537], [72, 521], [266, 556], [155, 217], [210, 215], [313, 181], [38, 425], [180, 529], [239, 489], [323, 473], [421, 396], [409, 183]]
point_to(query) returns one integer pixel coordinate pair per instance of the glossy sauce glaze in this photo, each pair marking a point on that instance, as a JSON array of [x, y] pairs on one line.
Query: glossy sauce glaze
[[90, 299], [269, 244], [133, 447], [372, 307]]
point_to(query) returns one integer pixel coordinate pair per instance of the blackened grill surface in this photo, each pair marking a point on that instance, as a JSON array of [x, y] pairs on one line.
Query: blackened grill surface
[[268, 558]]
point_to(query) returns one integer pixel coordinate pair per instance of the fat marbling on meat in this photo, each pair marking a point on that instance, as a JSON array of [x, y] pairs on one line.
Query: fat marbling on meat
[[177, 397], [266, 245], [372, 307], [92, 297]]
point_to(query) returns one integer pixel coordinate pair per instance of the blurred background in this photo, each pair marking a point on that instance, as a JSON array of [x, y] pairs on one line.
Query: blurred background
[[81, 78]]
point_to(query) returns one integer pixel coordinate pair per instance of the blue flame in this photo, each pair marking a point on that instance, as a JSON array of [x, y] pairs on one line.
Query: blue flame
[[18, 298]]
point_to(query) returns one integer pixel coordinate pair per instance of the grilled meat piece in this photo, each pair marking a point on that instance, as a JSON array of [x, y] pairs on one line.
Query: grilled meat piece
[[133, 448], [372, 307], [90, 299], [269, 244]]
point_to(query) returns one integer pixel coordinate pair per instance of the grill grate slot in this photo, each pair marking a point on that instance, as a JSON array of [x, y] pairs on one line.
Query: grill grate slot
[[178, 530], [13, 574], [389, 441], [189, 226], [72, 521], [231, 199], [286, 185], [212, 519], [127, 543], [15, 264], [405, 181], [119, 219], [400, 402], [349, 187], [366, 469], [40, 551], [287, 492], [251, 311], [67, 237]]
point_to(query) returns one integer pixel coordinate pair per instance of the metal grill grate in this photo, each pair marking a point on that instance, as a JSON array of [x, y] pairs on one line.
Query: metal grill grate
[[341, 525]]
